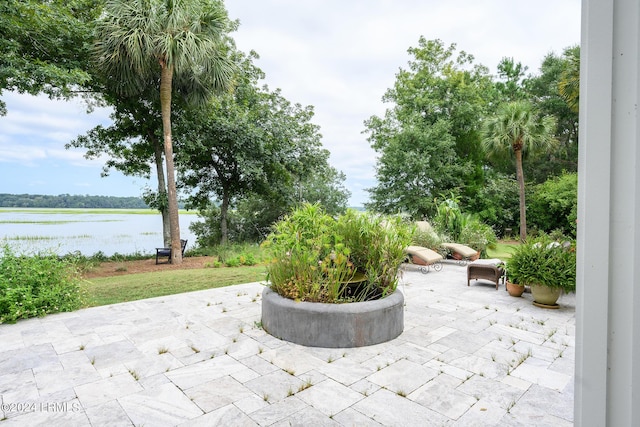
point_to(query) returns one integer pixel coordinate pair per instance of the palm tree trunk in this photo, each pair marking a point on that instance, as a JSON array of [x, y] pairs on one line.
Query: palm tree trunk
[[224, 213], [523, 208], [172, 196], [162, 193]]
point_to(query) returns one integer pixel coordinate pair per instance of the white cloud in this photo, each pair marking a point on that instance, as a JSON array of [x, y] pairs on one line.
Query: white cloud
[[339, 56]]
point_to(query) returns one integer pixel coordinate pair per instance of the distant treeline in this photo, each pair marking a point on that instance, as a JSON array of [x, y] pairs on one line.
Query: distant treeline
[[69, 201]]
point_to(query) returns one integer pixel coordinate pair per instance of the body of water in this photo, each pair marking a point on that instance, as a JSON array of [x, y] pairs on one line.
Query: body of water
[[87, 231]]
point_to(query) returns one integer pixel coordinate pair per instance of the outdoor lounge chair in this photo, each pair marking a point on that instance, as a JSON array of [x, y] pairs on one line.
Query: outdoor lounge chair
[[166, 252], [486, 269], [461, 252], [424, 257]]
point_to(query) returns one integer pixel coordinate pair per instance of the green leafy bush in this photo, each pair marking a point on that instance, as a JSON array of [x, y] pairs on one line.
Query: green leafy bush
[[449, 218], [497, 203], [544, 261], [554, 205], [352, 258], [478, 235], [37, 285], [250, 253], [451, 223], [427, 237]]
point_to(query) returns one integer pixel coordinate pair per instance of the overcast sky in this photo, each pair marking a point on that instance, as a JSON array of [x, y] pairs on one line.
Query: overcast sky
[[339, 56]]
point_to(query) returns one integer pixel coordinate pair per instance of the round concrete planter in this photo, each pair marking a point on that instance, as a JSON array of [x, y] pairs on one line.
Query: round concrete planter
[[314, 324]]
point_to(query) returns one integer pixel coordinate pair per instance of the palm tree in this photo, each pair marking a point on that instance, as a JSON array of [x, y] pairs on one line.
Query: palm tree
[[517, 128], [177, 43], [569, 84]]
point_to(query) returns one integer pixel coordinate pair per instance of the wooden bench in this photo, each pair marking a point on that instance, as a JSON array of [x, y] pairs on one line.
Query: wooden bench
[[166, 252]]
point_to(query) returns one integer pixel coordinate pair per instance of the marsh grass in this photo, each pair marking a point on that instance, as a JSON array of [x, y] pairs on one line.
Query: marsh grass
[[75, 211], [34, 239], [22, 221]]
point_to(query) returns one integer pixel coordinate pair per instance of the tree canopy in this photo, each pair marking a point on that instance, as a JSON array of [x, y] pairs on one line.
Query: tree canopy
[[251, 142], [429, 140], [45, 46]]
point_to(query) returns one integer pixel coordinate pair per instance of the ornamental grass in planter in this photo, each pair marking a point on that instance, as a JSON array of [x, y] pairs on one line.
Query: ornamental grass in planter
[[547, 264], [318, 258]]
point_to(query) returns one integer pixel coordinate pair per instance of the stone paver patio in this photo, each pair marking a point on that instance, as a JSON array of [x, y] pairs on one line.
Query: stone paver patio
[[468, 356]]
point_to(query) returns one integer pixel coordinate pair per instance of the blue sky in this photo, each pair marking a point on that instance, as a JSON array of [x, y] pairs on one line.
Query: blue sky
[[338, 56]]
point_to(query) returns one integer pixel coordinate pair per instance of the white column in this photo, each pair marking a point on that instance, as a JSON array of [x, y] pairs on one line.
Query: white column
[[608, 323]]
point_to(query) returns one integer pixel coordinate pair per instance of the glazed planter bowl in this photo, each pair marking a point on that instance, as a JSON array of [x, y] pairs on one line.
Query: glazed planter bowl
[[545, 296]]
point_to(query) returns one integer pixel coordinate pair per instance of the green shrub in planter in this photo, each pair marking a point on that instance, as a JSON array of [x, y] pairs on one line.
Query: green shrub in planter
[[543, 261], [315, 257]]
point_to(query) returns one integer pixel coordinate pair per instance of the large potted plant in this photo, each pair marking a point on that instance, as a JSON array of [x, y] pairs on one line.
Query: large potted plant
[[547, 266], [332, 281]]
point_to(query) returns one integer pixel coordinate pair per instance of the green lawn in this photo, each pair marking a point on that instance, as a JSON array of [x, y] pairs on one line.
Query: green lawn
[[502, 250], [131, 287]]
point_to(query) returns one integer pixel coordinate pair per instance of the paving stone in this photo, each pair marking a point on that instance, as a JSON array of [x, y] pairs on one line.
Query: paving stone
[[38, 357], [243, 347], [71, 343], [449, 340], [329, 397], [107, 389], [149, 366], [480, 366], [389, 409], [496, 392], [244, 375], [351, 417], [164, 405], [251, 403], [446, 368], [259, 365], [541, 375], [345, 370], [307, 416], [208, 370], [403, 376], [51, 382], [292, 358], [153, 381], [482, 413], [113, 353], [275, 386], [278, 411], [11, 340], [215, 394], [43, 416], [18, 387], [109, 413], [365, 387], [558, 404], [443, 399], [465, 341], [228, 415], [516, 382]]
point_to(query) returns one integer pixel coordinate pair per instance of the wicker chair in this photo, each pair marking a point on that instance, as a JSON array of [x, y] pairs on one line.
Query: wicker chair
[[486, 269]]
